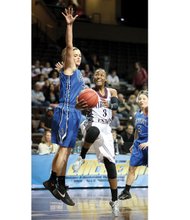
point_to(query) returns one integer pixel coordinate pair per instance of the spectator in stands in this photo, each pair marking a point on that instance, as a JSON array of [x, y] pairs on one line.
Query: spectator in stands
[[145, 86], [46, 85], [83, 61], [51, 94], [128, 138], [35, 122], [113, 79], [115, 123], [47, 69], [46, 146], [94, 62], [118, 141], [36, 68], [124, 108], [132, 102], [46, 120], [136, 92], [54, 78], [86, 79], [41, 81], [88, 73], [38, 98], [140, 77]]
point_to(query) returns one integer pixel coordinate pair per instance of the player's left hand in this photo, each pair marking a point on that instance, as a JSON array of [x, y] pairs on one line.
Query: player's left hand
[[143, 145]]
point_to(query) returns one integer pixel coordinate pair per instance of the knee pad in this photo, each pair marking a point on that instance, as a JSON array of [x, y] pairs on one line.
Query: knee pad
[[92, 134], [111, 169]]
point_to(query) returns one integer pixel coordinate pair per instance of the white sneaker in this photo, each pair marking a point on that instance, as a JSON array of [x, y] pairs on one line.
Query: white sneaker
[[115, 207], [78, 163]]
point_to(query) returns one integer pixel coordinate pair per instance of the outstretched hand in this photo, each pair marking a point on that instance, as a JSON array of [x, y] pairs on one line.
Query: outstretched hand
[[59, 66], [69, 15]]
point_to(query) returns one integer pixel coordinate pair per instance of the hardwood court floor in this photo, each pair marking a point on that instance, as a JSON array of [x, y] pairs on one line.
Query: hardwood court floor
[[90, 204]]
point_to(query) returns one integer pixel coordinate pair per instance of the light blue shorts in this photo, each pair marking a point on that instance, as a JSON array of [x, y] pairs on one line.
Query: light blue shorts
[[138, 156], [65, 126]]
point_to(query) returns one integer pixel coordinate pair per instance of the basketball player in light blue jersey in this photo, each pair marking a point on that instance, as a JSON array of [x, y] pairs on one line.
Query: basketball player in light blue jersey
[[66, 118], [139, 149], [97, 132]]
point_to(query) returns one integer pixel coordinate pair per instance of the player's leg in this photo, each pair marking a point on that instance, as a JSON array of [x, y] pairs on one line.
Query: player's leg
[[112, 178], [125, 194], [135, 161], [51, 183], [60, 167], [91, 135], [142, 159], [61, 162]]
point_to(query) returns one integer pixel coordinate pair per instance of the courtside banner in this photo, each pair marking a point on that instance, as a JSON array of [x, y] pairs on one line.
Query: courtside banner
[[91, 173]]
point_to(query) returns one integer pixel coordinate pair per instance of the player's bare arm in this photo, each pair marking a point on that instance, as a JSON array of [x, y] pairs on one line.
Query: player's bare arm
[[69, 59], [113, 92]]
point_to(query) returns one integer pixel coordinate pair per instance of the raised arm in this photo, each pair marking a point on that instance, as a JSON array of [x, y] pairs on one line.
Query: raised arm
[[69, 64]]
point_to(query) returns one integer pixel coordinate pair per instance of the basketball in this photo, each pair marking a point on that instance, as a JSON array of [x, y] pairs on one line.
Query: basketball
[[90, 96]]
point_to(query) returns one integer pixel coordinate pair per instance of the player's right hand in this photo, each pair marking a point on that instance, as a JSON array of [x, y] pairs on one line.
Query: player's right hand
[[68, 14]]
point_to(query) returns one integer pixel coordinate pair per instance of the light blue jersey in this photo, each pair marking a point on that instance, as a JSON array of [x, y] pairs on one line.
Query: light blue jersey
[[67, 118], [141, 126], [70, 87], [139, 156]]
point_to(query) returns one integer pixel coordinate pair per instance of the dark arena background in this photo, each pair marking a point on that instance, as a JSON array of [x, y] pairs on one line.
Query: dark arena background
[[111, 34]]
